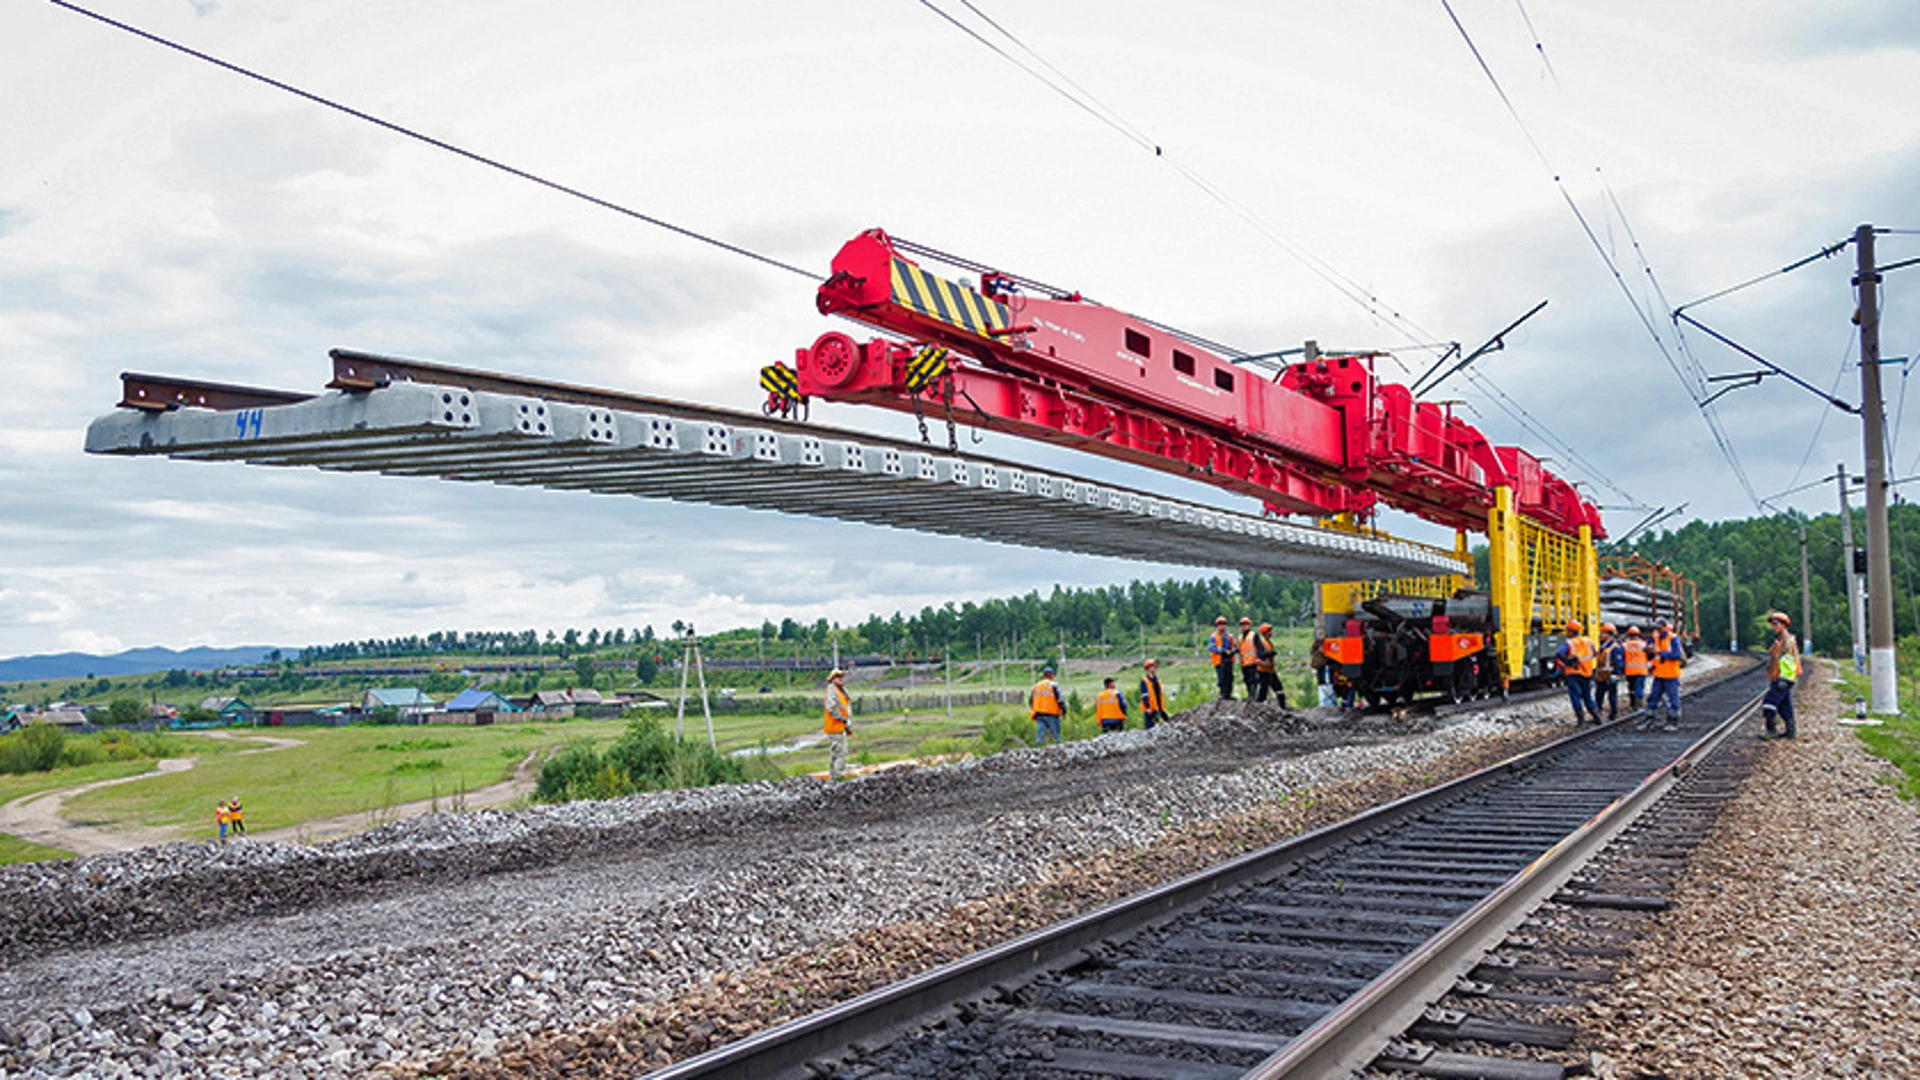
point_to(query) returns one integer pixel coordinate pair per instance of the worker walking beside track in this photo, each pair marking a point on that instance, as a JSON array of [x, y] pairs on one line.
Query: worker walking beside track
[[1110, 708], [1223, 648], [1047, 706], [1668, 654], [1269, 675], [1576, 658], [1783, 670], [1634, 664], [1153, 696], [839, 718]]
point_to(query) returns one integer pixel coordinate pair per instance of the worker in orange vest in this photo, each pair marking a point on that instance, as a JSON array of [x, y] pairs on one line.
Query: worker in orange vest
[[236, 818], [1223, 647], [1634, 664], [1110, 708], [1606, 672], [220, 819], [837, 720], [1268, 665], [1153, 696], [1047, 706], [1247, 648], [1576, 657], [1668, 654]]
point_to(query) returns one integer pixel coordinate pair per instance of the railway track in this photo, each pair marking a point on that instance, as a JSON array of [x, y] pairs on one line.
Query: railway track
[[1304, 959]]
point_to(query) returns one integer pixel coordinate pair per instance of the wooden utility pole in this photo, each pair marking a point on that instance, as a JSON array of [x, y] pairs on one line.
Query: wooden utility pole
[[1806, 598], [1733, 622], [1881, 664], [1856, 618]]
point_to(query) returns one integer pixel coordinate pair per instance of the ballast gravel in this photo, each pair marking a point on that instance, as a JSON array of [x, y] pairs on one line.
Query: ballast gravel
[[634, 931]]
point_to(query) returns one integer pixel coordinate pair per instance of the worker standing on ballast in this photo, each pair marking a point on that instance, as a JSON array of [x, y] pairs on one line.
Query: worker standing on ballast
[[1153, 696], [1783, 670], [1223, 648], [1634, 664], [1047, 706], [1607, 663], [1110, 708], [1663, 702], [1576, 658], [1247, 648], [838, 720], [1269, 668]]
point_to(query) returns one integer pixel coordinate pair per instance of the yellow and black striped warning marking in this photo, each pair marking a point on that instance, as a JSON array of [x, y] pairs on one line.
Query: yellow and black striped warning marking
[[779, 379], [948, 301], [927, 367]]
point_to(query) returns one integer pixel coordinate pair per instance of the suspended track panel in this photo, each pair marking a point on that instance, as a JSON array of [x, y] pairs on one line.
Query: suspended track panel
[[410, 429]]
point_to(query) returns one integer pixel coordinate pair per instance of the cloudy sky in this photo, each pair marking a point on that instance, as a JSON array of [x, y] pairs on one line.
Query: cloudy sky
[[158, 214]]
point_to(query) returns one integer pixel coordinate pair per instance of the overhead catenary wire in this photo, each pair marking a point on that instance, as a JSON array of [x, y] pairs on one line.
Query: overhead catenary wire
[[1361, 296], [441, 144], [1694, 385]]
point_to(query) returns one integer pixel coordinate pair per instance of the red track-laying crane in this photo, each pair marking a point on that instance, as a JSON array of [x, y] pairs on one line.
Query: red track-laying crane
[[1322, 437]]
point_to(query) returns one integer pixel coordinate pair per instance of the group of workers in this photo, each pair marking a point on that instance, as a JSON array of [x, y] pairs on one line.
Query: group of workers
[[1594, 671], [231, 818], [1252, 652], [1046, 704]]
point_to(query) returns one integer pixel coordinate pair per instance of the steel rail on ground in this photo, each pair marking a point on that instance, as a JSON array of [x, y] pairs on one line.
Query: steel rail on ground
[[784, 1050], [1355, 1032]]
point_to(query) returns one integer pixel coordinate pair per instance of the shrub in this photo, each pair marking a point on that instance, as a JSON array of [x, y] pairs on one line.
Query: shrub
[[34, 748], [644, 758], [1005, 731]]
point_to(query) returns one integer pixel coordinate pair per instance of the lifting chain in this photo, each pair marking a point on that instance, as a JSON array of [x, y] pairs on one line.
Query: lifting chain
[[953, 436], [921, 418]]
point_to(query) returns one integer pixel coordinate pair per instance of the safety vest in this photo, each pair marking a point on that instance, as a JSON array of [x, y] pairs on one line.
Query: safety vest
[[1580, 652], [1665, 666], [1109, 705], [1044, 698], [1635, 651], [838, 710], [1153, 698], [1249, 648], [234, 814], [1786, 658], [220, 814], [1220, 646]]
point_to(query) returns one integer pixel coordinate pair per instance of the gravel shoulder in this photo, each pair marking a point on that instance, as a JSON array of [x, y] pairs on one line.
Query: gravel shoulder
[[1793, 946]]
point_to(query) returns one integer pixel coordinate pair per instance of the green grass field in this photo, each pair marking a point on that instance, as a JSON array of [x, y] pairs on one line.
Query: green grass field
[[367, 770], [1897, 739], [15, 850]]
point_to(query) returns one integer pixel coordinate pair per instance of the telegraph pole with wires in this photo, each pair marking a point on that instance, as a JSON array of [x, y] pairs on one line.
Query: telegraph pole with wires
[[1850, 571], [1882, 666], [1733, 620], [1806, 598]]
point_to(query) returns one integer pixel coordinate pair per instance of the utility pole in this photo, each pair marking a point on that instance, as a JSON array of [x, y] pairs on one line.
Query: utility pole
[[1881, 663], [1806, 600], [1856, 618], [1733, 621]]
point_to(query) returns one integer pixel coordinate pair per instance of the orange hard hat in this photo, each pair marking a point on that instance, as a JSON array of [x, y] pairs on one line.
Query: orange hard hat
[[1244, 621], [1780, 617], [1573, 626], [1221, 621], [1265, 626], [1607, 626]]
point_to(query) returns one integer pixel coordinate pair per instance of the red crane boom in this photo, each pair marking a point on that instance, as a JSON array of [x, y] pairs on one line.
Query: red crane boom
[[1321, 437]]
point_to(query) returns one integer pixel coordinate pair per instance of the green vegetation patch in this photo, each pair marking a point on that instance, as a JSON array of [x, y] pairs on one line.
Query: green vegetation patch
[[15, 850], [644, 758], [410, 746]]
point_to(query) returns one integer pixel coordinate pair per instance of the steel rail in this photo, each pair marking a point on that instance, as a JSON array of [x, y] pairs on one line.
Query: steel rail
[[783, 1050], [1355, 1032]]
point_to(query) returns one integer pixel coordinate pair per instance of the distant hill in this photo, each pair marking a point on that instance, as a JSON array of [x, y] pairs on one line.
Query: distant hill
[[132, 662]]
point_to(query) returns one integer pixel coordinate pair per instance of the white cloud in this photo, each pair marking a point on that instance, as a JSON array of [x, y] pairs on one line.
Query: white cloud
[[160, 215]]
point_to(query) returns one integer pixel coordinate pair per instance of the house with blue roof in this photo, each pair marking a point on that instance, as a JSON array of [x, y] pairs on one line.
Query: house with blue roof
[[477, 699]]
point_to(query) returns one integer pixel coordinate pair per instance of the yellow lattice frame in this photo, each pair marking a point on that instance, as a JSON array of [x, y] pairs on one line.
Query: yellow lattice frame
[[1536, 575]]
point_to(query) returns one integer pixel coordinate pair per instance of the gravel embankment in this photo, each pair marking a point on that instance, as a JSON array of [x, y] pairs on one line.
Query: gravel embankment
[[465, 937], [1793, 946]]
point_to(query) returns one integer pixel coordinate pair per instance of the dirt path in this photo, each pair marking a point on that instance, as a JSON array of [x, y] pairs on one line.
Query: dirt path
[[505, 793], [36, 817]]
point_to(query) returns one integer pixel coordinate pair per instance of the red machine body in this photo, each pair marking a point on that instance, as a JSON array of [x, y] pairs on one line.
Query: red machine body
[[1322, 437]]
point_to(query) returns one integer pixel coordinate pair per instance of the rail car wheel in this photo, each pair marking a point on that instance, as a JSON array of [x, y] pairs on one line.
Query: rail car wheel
[[1462, 684]]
